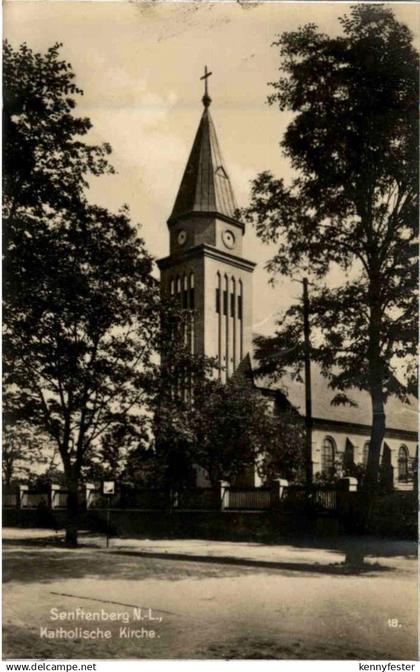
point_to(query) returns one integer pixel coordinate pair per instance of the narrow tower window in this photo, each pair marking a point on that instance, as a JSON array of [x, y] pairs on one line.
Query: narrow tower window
[[232, 314], [219, 323], [185, 292], [192, 295], [226, 355], [241, 323]]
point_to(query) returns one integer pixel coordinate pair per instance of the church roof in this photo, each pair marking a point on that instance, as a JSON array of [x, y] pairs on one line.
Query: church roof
[[399, 415], [205, 186]]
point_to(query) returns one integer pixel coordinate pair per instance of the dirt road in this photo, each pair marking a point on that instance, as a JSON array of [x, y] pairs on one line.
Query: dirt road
[[208, 600]]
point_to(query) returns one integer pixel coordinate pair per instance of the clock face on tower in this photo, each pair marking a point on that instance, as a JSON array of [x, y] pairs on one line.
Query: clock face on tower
[[182, 237], [228, 239]]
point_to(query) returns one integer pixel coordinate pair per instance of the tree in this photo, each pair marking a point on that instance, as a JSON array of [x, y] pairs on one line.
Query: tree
[[79, 299], [24, 450], [236, 429], [80, 362], [226, 429], [283, 447], [352, 206], [177, 380], [45, 162]]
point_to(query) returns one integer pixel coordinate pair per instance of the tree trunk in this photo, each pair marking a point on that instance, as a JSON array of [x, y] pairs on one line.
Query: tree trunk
[[8, 473], [355, 557], [371, 480], [73, 511], [376, 439], [376, 378]]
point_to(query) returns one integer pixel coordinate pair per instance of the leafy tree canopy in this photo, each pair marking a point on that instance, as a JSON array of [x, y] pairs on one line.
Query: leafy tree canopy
[[24, 452], [80, 303], [45, 161], [351, 206], [227, 429]]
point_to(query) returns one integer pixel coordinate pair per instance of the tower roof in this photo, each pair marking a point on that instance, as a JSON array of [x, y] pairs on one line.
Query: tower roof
[[205, 185]]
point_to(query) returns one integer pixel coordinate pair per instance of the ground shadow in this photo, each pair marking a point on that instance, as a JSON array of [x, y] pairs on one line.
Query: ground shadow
[[344, 567], [29, 565], [57, 541], [355, 548], [34, 565]]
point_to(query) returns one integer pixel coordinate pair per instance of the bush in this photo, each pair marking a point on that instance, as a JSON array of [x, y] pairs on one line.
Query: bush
[[395, 515]]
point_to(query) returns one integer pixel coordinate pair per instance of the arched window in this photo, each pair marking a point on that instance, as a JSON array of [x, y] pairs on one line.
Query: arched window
[[386, 471], [172, 286], [386, 455], [403, 463], [366, 453], [328, 456], [348, 456]]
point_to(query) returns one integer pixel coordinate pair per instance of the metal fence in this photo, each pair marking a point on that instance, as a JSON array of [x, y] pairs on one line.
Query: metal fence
[[31, 500], [194, 499], [318, 497], [59, 499], [325, 499], [251, 499], [10, 501]]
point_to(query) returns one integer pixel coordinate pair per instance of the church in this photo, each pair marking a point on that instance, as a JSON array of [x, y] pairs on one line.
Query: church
[[207, 270]]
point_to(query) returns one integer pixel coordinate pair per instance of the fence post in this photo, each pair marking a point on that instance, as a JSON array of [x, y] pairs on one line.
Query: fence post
[[278, 486], [89, 490], [22, 495], [344, 500], [224, 495], [53, 489], [17, 500], [347, 484]]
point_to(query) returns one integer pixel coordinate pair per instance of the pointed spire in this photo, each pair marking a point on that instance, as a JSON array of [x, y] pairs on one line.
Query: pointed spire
[[205, 186]]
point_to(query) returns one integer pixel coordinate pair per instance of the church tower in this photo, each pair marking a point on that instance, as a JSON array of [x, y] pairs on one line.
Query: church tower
[[205, 268]]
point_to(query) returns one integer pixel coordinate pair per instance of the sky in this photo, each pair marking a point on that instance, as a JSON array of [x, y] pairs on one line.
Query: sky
[[140, 64]]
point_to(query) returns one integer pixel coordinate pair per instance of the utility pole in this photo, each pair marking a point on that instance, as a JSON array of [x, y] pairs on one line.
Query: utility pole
[[308, 389]]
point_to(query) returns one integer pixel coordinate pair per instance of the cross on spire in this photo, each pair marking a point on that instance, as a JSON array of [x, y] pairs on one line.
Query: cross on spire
[[206, 98]]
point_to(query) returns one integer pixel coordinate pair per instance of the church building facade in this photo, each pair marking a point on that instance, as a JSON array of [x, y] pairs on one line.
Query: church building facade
[[206, 270]]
